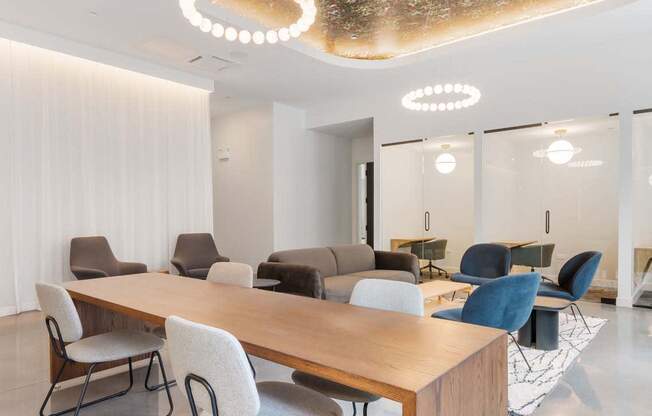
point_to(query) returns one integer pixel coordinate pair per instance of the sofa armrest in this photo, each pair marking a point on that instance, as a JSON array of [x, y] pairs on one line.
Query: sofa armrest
[[407, 262], [83, 273], [294, 278], [222, 259], [132, 268], [176, 262]]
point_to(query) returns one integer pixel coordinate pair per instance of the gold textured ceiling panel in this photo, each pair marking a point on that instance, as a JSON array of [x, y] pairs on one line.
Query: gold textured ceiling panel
[[382, 29]]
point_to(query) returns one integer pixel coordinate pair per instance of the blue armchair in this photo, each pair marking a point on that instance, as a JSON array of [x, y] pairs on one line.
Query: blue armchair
[[574, 280], [483, 263], [503, 303]]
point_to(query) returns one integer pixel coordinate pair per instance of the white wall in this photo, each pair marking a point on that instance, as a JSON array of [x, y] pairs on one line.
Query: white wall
[[243, 185], [283, 187], [312, 184], [642, 187], [90, 149]]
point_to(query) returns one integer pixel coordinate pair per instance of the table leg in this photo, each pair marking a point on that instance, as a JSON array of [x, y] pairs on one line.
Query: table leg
[[527, 335], [547, 330]]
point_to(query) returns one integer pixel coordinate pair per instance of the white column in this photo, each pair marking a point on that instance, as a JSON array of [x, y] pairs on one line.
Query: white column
[[625, 212], [478, 185]]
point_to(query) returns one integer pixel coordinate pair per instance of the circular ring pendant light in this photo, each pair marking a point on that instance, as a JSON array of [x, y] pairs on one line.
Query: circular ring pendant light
[[472, 94], [307, 19]]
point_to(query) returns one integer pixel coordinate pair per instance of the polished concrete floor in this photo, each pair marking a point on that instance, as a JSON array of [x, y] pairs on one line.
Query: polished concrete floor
[[613, 376]]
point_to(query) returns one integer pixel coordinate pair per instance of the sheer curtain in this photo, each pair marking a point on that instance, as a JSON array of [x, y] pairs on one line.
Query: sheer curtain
[[89, 149]]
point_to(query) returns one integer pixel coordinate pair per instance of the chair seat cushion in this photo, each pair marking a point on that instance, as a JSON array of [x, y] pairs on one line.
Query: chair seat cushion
[[331, 389], [553, 291], [198, 272], [454, 314], [397, 275], [113, 346], [285, 399], [471, 280]]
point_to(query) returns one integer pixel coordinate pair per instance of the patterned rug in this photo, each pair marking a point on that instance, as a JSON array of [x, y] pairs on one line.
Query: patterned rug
[[527, 389]]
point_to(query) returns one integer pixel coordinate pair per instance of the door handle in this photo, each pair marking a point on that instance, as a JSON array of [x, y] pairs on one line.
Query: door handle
[[427, 221], [548, 222]]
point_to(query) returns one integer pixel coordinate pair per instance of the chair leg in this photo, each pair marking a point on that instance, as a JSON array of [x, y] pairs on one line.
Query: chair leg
[[149, 372], [81, 405], [521, 351], [355, 408], [581, 316], [253, 370], [364, 410], [54, 383], [165, 382]]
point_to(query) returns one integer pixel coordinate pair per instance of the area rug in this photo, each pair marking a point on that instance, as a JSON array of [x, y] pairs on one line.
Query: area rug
[[527, 389]]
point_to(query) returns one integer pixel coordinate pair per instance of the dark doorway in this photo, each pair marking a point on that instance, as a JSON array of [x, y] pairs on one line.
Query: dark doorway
[[370, 203]]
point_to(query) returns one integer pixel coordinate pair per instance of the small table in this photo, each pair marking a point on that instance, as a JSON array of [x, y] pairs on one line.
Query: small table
[[267, 284], [434, 292], [542, 329]]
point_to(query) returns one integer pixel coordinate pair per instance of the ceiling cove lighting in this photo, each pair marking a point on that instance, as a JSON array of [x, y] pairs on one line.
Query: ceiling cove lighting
[[560, 151], [231, 34], [472, 98], [445, 163]]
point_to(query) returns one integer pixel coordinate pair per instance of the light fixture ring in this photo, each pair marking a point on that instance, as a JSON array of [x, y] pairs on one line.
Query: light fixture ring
[[197, 19], [472, 94]]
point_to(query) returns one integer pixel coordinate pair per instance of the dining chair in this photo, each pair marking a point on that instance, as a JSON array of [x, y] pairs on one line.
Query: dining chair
[[573, 281], [92, 257], [194, 255], [504, 303], [234, 274], [481, 263], [217, 379], [385, 295], [432, 251], [65, 332]]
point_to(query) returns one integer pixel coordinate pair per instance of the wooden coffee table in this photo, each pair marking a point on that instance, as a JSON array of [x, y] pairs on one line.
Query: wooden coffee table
[[435, 292]]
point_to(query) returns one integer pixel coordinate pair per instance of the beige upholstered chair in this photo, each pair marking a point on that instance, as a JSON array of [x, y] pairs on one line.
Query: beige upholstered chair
[[65, 331], [92, 257], [217, 377], [376, 294], [235, 274]]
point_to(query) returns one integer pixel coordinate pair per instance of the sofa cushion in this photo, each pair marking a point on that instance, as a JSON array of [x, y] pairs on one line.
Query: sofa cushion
[[354, 258], [398, 275], [339, 288], [203, 272], [321, 259]]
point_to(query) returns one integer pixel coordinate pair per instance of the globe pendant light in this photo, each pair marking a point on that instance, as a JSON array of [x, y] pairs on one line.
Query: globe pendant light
[[560, 151], [445, 163]]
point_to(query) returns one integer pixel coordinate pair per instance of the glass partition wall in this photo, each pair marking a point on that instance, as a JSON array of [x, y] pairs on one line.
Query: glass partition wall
[[642, 207], [427, 201], [552, 192]]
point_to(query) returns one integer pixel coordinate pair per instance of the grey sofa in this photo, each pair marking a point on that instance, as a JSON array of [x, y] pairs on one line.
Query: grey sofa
[[332, 272]]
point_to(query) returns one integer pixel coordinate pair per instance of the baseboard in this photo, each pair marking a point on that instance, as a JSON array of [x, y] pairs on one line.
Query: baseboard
[[7, 311], [12, 310]]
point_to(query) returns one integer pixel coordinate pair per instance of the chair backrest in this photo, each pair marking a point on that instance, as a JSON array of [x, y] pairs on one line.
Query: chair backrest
[[321, 259], [94, 253], [196, 250], [486, 260], [577, 274], [216, 356], [57, 303], [234, 274], [505, 303], [539, 255], [388, 295], [430, 250]]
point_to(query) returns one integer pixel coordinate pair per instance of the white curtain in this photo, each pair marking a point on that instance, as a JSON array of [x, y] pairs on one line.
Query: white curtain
[[89, 149]]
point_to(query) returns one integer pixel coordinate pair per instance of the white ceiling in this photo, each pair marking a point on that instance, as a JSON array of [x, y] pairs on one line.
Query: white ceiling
[[154, 30], [353, 129]]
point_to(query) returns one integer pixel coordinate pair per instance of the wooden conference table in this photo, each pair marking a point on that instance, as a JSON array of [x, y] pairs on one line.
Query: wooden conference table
[[433, 367]]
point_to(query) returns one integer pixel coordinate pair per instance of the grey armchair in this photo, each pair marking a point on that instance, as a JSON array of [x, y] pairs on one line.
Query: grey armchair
[[195, 254], [431, 250], [539, 255], [92, 257]]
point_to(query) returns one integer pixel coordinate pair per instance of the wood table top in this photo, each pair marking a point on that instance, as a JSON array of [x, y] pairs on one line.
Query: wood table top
[[441, 288], [515, 244], [386, 353]]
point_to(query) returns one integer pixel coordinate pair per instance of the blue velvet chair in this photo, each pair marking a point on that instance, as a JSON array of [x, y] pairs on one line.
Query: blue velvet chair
[[503, 303], [574, 280], [483, 263]]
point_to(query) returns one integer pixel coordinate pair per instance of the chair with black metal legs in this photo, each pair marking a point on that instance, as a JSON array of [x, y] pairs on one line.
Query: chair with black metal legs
[[386, 295], [218, 380], [504, 303], [432, 251], [65, 332]]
